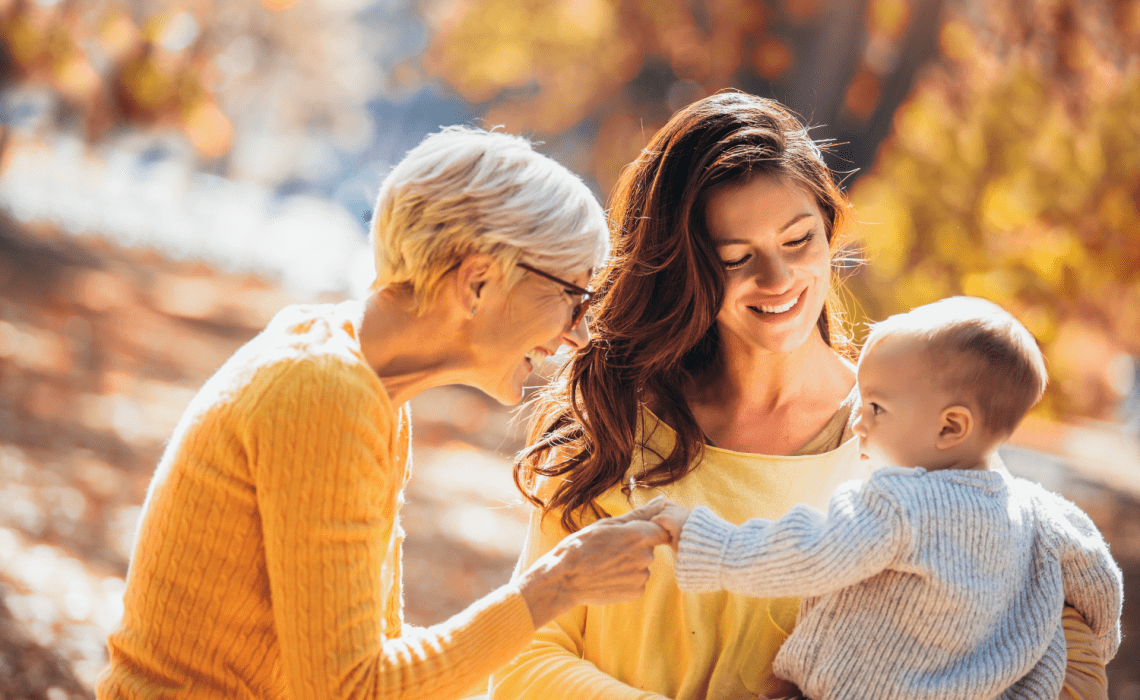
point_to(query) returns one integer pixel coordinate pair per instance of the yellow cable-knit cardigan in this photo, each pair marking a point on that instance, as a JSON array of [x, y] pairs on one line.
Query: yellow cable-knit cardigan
[[267, 563]]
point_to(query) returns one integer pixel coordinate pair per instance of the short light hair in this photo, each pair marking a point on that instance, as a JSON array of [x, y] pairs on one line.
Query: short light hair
[[465, 191], [976, 346]]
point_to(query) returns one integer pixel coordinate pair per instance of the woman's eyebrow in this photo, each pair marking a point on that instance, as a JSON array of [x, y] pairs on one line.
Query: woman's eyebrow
[[795, 220], [792, 222]]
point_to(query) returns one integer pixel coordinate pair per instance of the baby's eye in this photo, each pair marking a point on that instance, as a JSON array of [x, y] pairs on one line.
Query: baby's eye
[[733, 264], [876, 409]]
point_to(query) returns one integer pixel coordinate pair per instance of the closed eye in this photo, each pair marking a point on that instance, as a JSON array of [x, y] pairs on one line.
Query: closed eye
[[802, 241], [733, 264]]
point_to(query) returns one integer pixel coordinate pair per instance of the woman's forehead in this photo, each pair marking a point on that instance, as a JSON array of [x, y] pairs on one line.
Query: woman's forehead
[[765, 204]]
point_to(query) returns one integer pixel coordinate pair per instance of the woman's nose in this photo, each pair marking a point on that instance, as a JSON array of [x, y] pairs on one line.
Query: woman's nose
[[576, 337], [772, 273]]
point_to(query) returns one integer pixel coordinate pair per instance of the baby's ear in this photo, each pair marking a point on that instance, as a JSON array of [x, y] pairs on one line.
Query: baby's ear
[[955, 425]]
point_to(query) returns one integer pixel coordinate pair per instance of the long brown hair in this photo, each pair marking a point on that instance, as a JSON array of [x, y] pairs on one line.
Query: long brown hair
[[657, 299]]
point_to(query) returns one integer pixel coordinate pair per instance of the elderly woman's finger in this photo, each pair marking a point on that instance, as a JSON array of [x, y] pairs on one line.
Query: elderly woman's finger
[[645, 512], [652, 533]]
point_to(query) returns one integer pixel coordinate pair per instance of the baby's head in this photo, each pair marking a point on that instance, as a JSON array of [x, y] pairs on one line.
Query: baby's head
[[944, 384]]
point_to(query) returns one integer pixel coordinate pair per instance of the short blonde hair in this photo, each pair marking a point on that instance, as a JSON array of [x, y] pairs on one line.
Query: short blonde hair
[[465, 191], [977, 347]]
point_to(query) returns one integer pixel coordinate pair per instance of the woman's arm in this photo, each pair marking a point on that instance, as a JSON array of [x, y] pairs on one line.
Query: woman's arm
[[327, 466], [328, 473], [552, 667], [1085, 677]]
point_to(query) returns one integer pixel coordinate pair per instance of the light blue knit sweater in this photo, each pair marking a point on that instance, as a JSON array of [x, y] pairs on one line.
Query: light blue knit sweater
[[916, 585]]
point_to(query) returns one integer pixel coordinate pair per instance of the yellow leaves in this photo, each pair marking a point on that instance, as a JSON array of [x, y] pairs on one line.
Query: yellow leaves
[[24, 39], [926, 283], [592, 19], [997, 285], [76, 79], [146, 82], [208, 129], [1039, 319], [278, 5], [885, 227], [117, 34], [1117, 210], [1048, 254], [920, 127], [568, 49], [1009, 202], [888, 17], [956, 40], [1089, 155], [971, 145]]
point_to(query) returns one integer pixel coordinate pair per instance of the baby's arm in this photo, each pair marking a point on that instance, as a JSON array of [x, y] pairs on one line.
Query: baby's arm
[[803, 553], [1093, 582]]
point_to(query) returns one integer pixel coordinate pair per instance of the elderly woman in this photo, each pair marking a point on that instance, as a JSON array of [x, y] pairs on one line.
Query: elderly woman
[[267, 563], [718, 374]]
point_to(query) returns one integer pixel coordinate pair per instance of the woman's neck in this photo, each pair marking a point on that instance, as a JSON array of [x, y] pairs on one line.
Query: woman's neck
[[771, 403], [411, 351]]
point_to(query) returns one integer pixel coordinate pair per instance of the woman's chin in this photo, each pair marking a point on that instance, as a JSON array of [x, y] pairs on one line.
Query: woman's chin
[[511, 391]]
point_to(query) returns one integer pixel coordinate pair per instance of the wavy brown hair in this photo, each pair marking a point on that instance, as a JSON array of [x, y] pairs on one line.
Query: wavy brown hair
[[653, 327]]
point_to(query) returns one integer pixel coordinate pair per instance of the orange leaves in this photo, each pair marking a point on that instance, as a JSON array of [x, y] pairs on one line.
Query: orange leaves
[[863, 94], [772, 58], [994, 185], [956, 40], [278, 5], [888, 17], [147, 76]]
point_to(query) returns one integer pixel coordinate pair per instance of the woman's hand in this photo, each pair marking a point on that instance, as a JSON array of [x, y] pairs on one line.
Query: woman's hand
[[672, 518], [605, 562]]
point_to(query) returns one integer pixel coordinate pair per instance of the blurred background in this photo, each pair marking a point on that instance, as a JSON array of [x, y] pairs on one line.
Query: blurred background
[[172, 172]]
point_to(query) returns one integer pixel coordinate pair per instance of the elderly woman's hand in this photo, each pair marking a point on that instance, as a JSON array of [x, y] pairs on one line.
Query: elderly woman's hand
[[672, 517], [605, 562]]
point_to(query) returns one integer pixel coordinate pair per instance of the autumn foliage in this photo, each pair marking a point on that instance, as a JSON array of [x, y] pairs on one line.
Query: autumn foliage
[[1013, 173]]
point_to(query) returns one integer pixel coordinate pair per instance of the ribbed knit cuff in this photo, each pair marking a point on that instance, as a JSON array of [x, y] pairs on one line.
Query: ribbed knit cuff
[[700, 555]]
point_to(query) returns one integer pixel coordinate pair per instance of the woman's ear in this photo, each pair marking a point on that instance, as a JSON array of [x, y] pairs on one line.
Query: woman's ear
[[954, 425], [472, 277]]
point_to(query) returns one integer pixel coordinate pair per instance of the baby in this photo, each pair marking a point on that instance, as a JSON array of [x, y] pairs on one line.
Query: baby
[[942, 577]]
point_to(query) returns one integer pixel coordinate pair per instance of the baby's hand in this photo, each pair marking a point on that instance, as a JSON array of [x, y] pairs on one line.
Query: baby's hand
[[672, 518]]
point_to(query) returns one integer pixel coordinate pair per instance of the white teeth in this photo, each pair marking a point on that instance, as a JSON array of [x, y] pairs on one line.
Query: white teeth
[[779, 309]]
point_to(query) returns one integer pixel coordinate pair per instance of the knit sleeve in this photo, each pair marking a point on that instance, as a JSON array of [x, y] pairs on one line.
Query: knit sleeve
[[324, 460], [552, 667], [804, 553], [1093, 582]]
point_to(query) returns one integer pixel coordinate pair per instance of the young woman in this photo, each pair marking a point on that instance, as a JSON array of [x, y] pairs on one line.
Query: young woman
[[718, 374], [267, 563]]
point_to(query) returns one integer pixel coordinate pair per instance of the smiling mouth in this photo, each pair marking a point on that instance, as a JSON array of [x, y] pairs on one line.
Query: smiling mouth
[[782, 308], [535, 358]]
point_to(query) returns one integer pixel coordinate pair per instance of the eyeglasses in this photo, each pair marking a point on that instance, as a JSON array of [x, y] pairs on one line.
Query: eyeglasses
[[580, 309]]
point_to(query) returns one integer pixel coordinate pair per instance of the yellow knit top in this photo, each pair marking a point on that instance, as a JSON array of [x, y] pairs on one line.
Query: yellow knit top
[[669, 643], [267, 563]]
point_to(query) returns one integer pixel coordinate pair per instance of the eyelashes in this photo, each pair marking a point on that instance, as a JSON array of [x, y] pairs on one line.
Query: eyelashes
[[798, 243]]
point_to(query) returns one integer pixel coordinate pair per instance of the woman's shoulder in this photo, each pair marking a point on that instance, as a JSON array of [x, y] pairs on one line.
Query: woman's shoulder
[[305, 354]]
